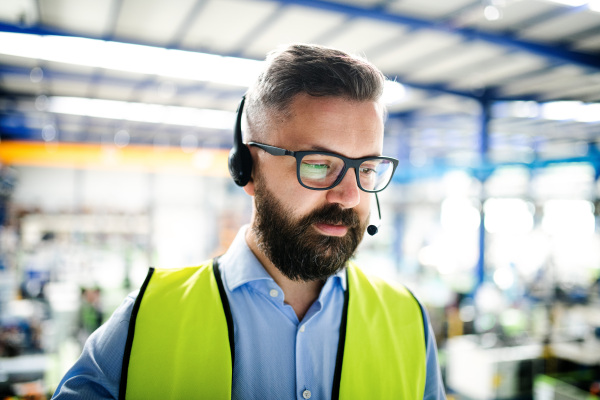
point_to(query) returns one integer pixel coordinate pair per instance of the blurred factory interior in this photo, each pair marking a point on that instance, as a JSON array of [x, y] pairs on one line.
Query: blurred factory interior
[[116, 119]]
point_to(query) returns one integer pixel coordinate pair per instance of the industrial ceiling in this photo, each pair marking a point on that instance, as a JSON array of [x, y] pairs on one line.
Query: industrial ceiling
[[513, 80]]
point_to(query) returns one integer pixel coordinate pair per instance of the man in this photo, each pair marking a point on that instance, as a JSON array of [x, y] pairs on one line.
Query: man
[[282, 314]]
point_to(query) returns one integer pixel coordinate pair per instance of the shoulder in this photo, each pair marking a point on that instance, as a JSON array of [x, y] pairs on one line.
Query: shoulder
[[97, 372], [375, 284], [183, 272], [175, 277]]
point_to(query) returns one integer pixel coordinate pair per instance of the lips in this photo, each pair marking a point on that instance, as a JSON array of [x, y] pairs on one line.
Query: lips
[[331, 229], [332, 220]]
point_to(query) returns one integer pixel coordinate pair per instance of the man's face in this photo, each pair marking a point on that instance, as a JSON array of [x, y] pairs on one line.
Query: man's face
[[298, 250], [310, 234]]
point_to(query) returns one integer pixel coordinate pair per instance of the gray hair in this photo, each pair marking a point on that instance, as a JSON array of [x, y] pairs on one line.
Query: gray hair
[[311, 69]]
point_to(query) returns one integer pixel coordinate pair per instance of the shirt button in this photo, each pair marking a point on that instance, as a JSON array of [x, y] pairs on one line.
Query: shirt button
[[274, 293], [306, 394], [302, 330]]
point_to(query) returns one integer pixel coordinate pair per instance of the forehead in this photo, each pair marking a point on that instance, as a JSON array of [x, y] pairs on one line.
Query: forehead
[[351, 128]]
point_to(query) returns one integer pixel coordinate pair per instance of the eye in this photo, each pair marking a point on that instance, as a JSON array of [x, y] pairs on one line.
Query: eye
[[314, 170], [367, 171], [368, 168]]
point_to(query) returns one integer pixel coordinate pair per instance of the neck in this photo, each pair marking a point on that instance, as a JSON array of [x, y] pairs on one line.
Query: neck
[[298, 294]]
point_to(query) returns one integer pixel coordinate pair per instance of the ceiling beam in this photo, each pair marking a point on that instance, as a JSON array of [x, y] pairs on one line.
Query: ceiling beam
[[557, 53]]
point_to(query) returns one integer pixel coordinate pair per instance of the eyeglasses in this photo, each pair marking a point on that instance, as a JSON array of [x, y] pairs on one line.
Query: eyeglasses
[[320, 170]]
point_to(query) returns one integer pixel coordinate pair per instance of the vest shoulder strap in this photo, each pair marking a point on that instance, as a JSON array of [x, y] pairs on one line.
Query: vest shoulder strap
[[384, 351], [185, 340]]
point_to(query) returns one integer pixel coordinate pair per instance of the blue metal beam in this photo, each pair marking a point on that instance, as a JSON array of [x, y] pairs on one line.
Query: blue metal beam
[[552, 14], [552, 52], [409, 174], [482, 175]]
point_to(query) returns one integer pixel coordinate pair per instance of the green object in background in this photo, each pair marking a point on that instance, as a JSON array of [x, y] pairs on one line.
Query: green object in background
[[562, 387]]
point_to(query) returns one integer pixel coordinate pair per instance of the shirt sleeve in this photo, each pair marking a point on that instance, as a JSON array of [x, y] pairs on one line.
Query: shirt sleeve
[[97, 372], [434, 385]]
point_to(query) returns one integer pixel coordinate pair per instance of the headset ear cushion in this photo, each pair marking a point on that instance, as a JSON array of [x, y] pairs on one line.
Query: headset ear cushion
[[240, 159], [240, 164]]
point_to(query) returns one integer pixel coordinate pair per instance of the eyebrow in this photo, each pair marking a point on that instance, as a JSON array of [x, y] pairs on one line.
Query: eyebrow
[[319, 148]]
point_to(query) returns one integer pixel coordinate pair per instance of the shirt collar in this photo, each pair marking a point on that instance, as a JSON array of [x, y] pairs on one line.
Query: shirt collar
[[240, 265]]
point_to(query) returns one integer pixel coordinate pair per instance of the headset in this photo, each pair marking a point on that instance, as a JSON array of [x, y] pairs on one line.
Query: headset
[[240, 162], [240, 159]]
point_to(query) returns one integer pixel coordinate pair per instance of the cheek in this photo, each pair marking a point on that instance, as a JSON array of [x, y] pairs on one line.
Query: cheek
[[364, 207], [283, 184], [303, 201]]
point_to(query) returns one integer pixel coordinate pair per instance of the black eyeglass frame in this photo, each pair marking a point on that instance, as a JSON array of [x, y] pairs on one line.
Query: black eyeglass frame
[[348, 163]]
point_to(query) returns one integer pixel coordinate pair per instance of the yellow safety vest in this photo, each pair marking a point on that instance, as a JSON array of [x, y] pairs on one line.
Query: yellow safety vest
[[180, 339]]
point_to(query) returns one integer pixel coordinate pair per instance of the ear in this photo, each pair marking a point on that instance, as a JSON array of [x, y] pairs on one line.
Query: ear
[[249, 187]]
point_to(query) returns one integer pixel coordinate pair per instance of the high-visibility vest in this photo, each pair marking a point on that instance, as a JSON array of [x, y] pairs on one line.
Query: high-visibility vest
[[180, 340]]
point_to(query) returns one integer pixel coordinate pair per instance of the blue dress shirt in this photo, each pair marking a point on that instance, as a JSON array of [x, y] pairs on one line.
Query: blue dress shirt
[[276, 355]]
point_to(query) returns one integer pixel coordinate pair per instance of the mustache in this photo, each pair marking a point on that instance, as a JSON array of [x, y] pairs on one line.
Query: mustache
[[332, 214]]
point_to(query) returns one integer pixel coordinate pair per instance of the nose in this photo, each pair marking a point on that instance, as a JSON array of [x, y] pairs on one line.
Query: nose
[[347, 192]]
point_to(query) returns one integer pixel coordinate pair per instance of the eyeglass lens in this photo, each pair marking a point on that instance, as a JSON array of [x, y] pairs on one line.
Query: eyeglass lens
[[321, 171]]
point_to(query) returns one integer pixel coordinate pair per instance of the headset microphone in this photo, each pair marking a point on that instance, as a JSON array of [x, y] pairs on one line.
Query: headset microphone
[[373, 229]]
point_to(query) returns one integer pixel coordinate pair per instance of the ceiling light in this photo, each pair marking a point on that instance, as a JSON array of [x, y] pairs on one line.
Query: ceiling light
[[147, 60], [571, 110], [588, 113], [508, 216], [560, 110], [132, 58], [151, 113], [568, 217], [491, 13], [594, 5]]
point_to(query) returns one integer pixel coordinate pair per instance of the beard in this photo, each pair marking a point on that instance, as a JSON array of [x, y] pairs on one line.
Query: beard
[[294, 246]]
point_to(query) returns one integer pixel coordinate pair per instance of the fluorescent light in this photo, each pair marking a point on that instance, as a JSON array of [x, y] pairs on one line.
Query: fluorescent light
[[524, 109], [143, 112], [571, 110], [132, 58], [508, 216], [569, 217], [589, 113], [459, 215], [147, 60], [151, 113], [560, 110], [594, 5]]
